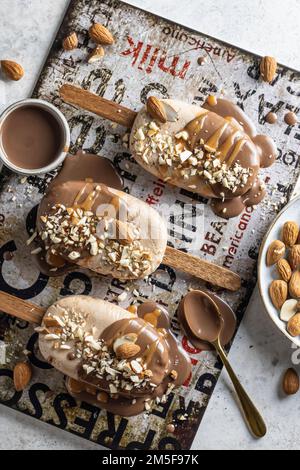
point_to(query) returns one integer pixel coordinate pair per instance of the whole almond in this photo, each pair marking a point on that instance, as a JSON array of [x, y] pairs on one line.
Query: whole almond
[[268, 67], [70, 42], [293, 325], [278, 292], [22, 375], [290, 233], [284, 269], [96, 54], [290, 383], [156, 109], [12, 70], [100, 34], [127, 350], [294, 256], [275, 252], [294, 285]]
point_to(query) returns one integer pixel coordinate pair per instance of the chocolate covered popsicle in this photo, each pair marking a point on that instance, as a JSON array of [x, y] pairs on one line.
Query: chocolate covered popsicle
[[212, 150], [100, 228], [121, 360]]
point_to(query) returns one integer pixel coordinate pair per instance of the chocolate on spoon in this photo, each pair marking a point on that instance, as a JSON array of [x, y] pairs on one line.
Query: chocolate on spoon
[[208, 327], [188, 314]]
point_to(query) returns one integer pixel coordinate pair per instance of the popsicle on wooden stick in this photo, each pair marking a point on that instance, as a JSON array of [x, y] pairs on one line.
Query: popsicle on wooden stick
[[123, 361], [213, 150]]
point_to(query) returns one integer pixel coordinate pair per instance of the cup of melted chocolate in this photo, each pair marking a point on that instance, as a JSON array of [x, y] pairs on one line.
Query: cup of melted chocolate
[[34, 137]]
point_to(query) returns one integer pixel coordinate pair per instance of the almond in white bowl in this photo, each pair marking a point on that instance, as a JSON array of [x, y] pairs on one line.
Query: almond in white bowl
[[286, 269]]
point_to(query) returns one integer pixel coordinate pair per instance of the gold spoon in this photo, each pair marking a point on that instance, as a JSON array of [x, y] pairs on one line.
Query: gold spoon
[[207, 325]]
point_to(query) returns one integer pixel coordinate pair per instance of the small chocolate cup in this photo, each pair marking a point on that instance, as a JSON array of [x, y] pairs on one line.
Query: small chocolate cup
[[65, 133]]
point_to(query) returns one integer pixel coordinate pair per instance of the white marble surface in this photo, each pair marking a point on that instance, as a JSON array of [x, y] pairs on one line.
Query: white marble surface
[[259, 353]]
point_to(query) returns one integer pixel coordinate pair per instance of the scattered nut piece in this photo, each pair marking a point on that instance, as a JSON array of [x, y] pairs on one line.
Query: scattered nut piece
[[136, 367], [275, 252], [268, 67], [96, 54], [278, 292], [50, 322], [12, 70], [290, 233], [22, 375], [101, 35], [290, 383], [70, 42], [148, 373], [174, 374], [122, 296], [294, 325], [284, 269]]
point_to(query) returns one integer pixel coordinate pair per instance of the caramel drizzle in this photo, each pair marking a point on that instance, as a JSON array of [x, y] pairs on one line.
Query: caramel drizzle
[[236, 138], [214, 140], [225, 148], [89, 201], [152, 317], [240, 143]]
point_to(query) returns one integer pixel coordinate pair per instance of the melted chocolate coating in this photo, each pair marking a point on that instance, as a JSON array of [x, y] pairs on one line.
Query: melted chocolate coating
[[167, 355], [265, 146], [235, 206]]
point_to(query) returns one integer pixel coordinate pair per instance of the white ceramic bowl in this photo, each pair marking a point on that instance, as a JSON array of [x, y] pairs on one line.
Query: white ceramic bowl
[[56, 113], [266, 274]]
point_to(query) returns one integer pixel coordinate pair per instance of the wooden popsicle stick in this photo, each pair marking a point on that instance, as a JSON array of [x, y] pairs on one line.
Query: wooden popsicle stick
[[21, 309], [204, 270], [96, 104]]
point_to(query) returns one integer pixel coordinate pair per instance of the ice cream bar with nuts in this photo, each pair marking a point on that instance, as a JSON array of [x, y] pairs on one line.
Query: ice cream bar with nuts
[[212, 150], [124, 361], [100, 228]]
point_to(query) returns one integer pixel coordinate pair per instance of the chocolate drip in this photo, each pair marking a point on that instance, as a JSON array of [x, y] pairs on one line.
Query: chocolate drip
[[233, 207], [119, 406], [178, 358], [290, 118], [271, 118], [86, 166]]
